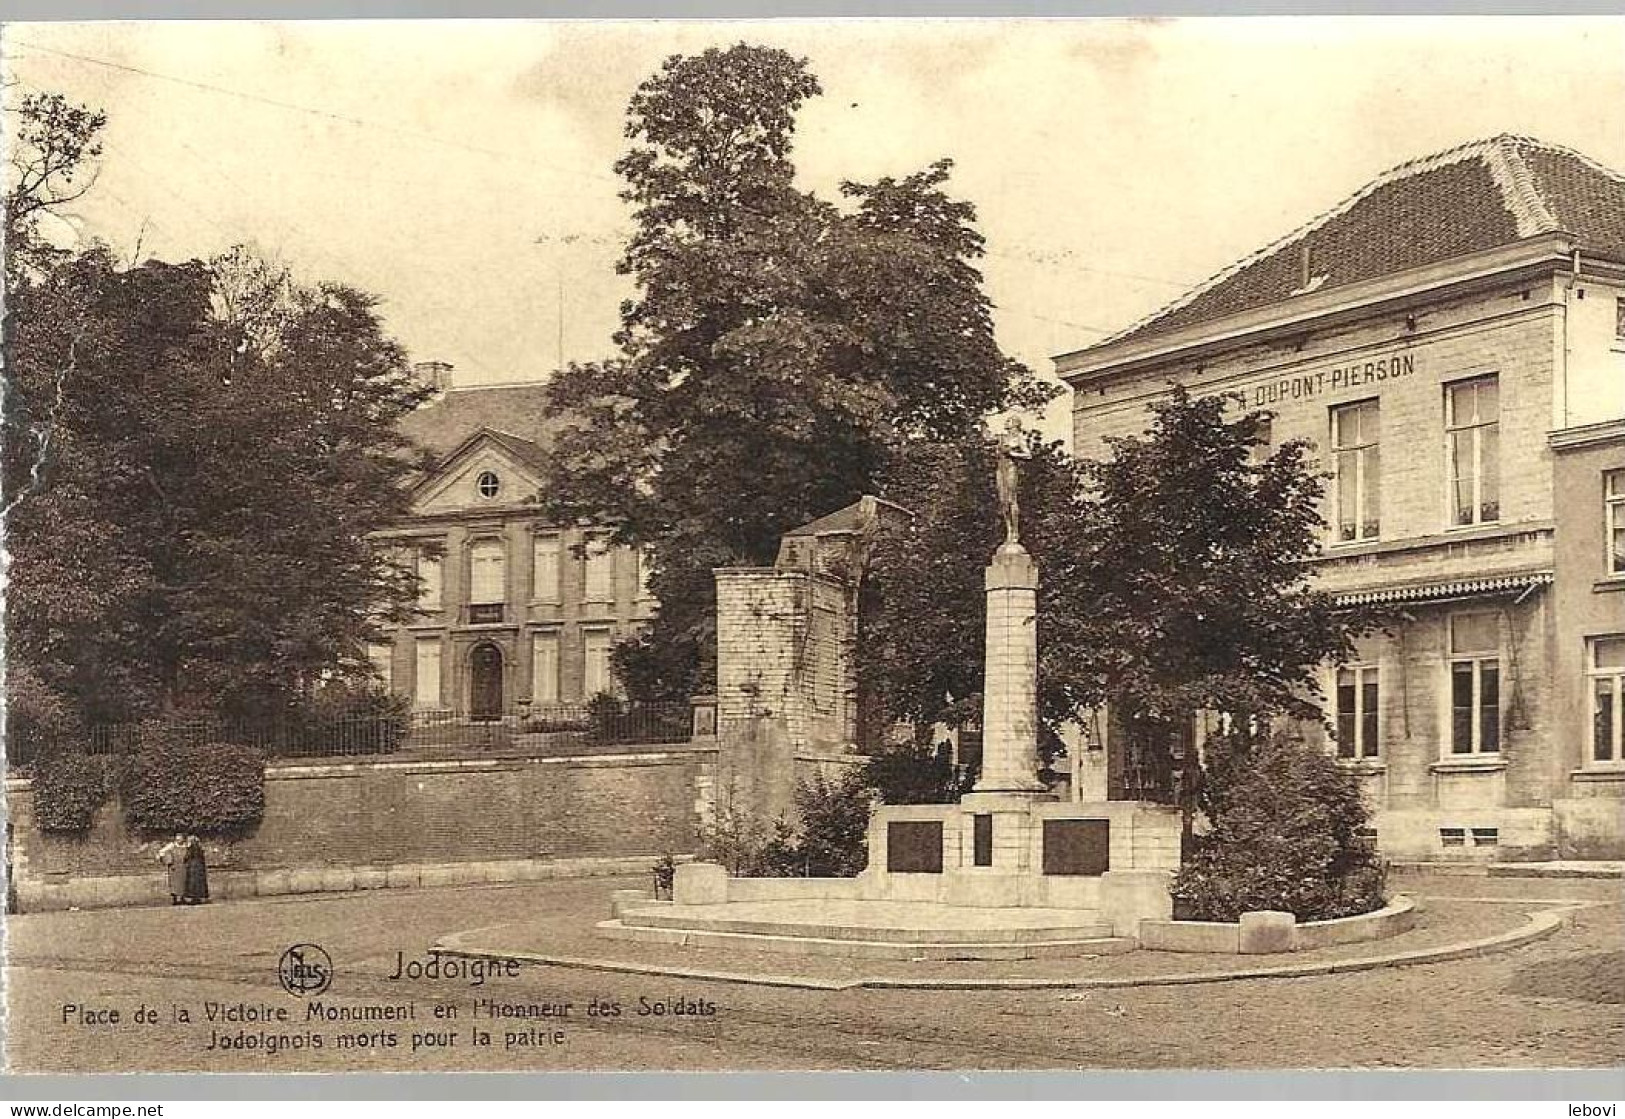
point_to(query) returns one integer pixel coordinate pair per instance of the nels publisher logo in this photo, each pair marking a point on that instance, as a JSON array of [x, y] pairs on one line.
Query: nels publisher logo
[[305, 970]]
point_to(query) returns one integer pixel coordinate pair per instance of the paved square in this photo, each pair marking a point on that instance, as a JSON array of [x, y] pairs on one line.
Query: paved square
[[1556, 1003]]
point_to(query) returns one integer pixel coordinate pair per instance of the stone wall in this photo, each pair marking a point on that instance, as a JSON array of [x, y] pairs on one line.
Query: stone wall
[[784, 650], [462, 817]]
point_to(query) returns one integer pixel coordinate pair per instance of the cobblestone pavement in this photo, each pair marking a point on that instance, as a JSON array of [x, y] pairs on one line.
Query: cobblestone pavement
[[1556, 1003]]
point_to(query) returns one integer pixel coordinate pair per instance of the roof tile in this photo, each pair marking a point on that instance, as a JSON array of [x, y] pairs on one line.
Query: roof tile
[[1464, 200]]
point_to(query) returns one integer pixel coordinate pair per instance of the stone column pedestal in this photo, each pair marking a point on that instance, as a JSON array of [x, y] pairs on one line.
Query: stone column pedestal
[[1010, 691]]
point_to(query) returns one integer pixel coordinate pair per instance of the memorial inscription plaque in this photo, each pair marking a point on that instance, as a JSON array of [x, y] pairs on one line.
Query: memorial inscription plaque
[[1077, 847], [914, 847]]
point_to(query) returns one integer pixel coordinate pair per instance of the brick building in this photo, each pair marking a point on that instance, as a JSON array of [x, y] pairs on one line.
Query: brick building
[[513, 611], [1452, 339]]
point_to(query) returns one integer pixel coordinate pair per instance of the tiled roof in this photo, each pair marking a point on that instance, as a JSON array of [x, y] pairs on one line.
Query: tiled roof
[[513, 411], [851, 518], [1478, 196], [526, 451], [842, 520]]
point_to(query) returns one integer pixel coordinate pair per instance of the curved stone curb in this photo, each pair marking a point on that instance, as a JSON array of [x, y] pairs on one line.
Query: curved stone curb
[[454, 946], [1283, 934], [1539, 926]]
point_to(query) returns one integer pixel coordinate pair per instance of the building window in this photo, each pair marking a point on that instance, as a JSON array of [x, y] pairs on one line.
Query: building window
[[426, 684], [1358, 702], [1607, 671], [1619, 318], [488, 484], [380, 657], [595, 675], [1475, 684], [1357, 470], [1473, 431], [544, 668], [1614, 500], [429, 581], [545, 569], [600, 571], [486, 577]]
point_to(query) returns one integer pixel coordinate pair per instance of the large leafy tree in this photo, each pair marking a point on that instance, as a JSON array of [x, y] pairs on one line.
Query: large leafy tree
[[193, 529], [193, 457], [1188, 586], [921, 653], [1173, 579], [779, 353]]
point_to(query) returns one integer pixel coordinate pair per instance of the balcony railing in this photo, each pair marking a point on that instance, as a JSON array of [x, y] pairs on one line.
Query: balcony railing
[[485, 613]]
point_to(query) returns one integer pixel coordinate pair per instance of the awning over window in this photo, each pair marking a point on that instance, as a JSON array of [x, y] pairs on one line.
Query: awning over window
[[1488, 586]]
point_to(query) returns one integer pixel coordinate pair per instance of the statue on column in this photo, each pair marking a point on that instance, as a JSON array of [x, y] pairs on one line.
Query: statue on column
[[1009, 497]]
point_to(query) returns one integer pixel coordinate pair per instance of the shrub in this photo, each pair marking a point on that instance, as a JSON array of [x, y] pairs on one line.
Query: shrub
[[176, 784], [613, 720], [69, 786], [345, 720], [746, 843], [917, 773], [1285, 835], [555, 721], [831, 841]]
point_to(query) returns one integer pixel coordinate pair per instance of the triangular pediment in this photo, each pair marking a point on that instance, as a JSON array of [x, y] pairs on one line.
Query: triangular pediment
[[455, 485]]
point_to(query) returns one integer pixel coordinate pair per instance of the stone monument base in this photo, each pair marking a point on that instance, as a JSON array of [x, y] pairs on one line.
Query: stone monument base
[[1011, 850], [997, 876]]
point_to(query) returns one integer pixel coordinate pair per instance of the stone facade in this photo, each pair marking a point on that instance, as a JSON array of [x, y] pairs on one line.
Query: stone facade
[[784, 649], [516, 614], [1587, 770], [1442, 400], [787, 705]]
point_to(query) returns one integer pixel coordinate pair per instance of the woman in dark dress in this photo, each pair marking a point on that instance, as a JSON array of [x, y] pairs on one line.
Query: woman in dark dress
[[197, 873]]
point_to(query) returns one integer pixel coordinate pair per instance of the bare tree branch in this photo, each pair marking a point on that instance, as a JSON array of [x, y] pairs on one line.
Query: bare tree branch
[[44, 434]]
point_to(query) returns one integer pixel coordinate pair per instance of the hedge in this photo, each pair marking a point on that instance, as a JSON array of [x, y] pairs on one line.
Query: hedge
[[173, 785], [69, 787]]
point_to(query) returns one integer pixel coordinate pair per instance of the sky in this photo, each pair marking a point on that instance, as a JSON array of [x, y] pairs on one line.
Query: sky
[[462, 171]]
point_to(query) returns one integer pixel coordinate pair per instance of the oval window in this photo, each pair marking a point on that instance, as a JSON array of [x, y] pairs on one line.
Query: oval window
[[488, 484]]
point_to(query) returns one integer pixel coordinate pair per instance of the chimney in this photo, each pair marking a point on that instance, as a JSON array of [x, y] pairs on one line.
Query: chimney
[[433, 374]]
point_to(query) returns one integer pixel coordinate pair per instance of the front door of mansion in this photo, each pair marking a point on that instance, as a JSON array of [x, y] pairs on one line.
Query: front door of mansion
[[485, 682]]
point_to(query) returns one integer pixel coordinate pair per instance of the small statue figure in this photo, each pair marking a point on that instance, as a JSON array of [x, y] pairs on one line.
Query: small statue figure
[[1009, 499]]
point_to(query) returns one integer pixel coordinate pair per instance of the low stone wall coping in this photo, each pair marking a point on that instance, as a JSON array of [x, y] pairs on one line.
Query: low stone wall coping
[[1209, 937], [285, 771], [225, 884]]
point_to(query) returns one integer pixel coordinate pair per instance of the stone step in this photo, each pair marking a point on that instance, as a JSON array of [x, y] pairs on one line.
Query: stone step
[[1085, 927], [866, 949]]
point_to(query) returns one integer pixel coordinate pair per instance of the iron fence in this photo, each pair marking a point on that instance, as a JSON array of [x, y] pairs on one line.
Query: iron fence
[[555, 724]]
